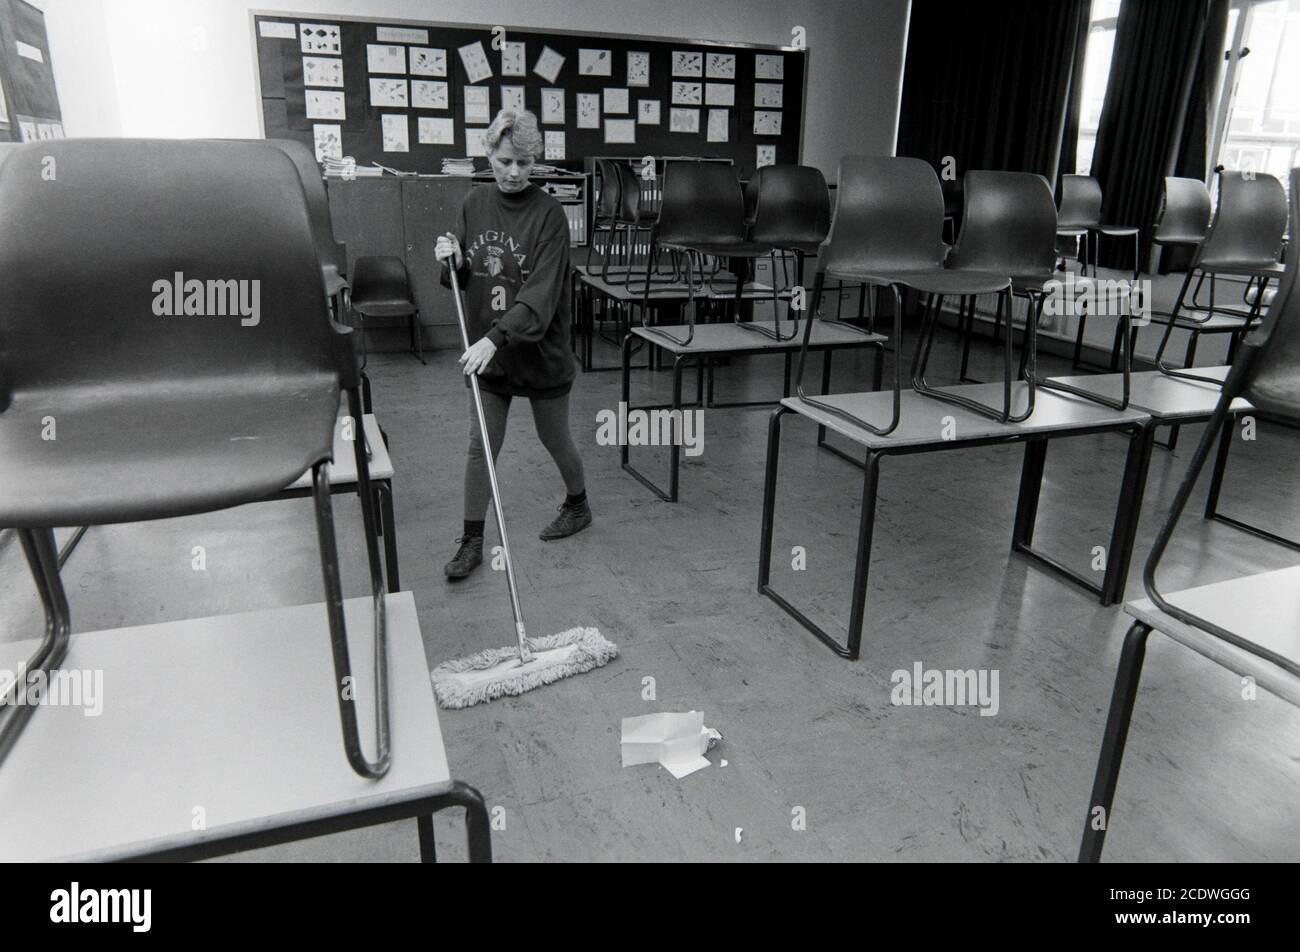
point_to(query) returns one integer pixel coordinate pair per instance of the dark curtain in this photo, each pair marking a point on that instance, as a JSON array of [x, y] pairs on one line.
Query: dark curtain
[[990, 84], [1156, 117]]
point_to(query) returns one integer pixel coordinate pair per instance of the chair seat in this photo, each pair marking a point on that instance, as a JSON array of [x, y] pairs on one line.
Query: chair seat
[[131, 454], [808, 248], [722, 249], [946, 281], [1071, 231], [1178, 239], [384, 308], [1254, 268], [1115, 231]]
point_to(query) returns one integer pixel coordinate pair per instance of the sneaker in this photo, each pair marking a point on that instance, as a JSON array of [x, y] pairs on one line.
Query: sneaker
[[468, 557], [567, 523]]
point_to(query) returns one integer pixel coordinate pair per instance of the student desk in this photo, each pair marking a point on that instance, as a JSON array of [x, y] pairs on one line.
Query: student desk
[[1262, 608], [1173, 401], [726, 339], [222, 734], [922, 429]]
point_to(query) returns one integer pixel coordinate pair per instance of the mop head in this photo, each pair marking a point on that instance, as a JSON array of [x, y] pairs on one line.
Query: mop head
[[497, 672]]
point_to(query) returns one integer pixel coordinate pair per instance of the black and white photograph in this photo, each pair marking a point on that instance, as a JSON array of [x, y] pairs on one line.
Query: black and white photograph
[[888, 457]]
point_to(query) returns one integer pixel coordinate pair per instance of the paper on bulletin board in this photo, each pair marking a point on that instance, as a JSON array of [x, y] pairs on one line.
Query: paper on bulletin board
[[329, 141], [388, 93], [476, 142], [766, 155], [396, 133], [44, 130], [769, 66], [616, 100], [638, 69], [322, 71], [684, 120], [768, 96], [428, 61], [548, 64], [688, 63], [719, 94], [688, 94], [429, 94], [620, 131], [401, 34], [647, 112], [514, 58], [721, 66], [435, 131], [718, 125], [324, 104], [320, 38], [28, 130], [588, 111], [767, 123], [29, 51], [553, 107], [385, 59], [271, 30], [476, 105], [475, 61], [512, 97], [595, 62], [554, 145]]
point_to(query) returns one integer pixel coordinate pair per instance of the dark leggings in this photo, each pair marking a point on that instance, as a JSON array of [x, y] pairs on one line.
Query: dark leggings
[[551, 417]]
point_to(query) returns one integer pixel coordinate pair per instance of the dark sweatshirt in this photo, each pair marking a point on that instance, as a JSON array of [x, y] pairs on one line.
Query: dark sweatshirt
[[519, 243]]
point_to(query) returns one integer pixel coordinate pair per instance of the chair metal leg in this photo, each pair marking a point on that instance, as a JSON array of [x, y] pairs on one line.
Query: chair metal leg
[[1122, 700], [417, 338], [478, 829]]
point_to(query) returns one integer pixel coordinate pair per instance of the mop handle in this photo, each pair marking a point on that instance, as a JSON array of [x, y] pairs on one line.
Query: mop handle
[[525, 655]]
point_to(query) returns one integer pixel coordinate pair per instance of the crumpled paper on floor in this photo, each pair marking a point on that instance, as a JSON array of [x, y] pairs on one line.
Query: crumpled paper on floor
[[675, 741]]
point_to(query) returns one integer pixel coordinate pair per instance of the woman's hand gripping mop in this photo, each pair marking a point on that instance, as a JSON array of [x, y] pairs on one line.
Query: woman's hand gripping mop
[[495, 672]]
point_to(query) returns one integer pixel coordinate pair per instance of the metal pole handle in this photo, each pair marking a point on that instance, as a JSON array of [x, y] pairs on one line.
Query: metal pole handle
[[525, 654]]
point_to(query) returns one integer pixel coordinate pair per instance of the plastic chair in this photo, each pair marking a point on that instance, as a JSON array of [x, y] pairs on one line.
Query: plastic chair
[[792, 213], [702, 214], [629, 218], [162, 411], [1267, 373], [381, 288], [608, 199], [1184, 214], [887, 232], [1244, 240], [1080, 217]]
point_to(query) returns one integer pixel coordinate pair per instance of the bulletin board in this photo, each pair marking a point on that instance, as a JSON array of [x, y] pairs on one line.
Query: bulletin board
[[29, 101], [408, 94]]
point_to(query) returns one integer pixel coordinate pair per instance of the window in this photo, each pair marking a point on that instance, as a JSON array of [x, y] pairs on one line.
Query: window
[[1096, 74]]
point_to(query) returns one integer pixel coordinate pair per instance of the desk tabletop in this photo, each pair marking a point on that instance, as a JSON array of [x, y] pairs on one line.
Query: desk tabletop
[[724, 289], [730, 338], [233, 715], [343, 471], [924, 420], [1162, 396], [1263, 608]]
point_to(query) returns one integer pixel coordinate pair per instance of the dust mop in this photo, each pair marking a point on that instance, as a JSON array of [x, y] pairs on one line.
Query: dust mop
[[496, 672]]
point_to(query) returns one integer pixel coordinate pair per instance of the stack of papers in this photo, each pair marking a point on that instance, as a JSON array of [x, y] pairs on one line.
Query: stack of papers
[[458, 167], [345, 167]]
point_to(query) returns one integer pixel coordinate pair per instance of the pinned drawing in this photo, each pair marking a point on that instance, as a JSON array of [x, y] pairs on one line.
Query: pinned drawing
[[647, 112], [513, 58], [475, 61], [401, 34], [476, 143], [553, 107], [431, 131], [688, 63], [396, 133], [329, 142], [388, 93], [548, 64], [616, 100], [768, 95], [385, 59], [322, 71], [766, 156], [429, 94], [512, 98], [769, 66], [719, 94], [720, 66], [684, 120], [620, 132], [428, 61], [320, 38], [554, 146], [476, 104], [718, 125], [688, 94], [638, 69], [588, 111], [595, 62], [767, 123], [322, 104]]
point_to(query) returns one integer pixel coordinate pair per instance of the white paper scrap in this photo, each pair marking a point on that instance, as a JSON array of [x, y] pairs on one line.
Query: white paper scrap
[[675, 741]]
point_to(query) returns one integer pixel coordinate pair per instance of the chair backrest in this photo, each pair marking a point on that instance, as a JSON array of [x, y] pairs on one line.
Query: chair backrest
[[609, 195], [792, 206], [1080, 202], [629, 195], [380, 279], [888, 216], [1250, 222], [95, 263], [1008, 225], [332, 253], [1185, 214], [702, 203], [1270, 364]]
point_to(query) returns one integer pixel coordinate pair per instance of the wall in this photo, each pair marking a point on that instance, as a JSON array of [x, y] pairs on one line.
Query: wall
[[185, 68]]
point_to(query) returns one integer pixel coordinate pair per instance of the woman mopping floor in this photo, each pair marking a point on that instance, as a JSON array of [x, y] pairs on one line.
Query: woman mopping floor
[[511, 254], [518, 258]]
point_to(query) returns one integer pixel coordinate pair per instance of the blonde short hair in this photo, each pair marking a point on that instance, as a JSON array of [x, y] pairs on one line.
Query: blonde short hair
[[520, 128]]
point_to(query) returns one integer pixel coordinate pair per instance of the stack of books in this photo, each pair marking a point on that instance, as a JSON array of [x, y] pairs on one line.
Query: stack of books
[[458, 167]]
